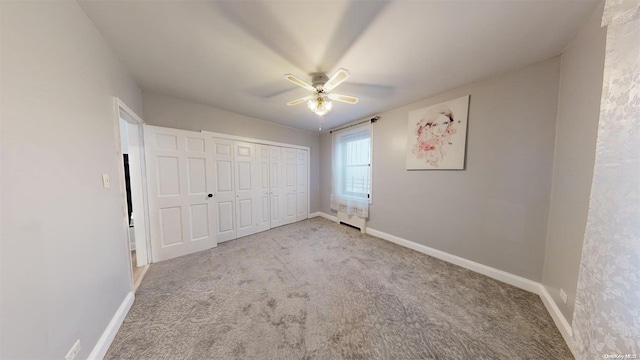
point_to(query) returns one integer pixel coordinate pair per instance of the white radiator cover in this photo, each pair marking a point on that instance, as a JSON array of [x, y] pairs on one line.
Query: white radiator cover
[[352, 220]]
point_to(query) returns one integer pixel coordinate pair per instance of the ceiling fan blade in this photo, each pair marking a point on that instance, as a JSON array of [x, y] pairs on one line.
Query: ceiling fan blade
[[336, 79], [344, 98], [301, 100], [296, 80]]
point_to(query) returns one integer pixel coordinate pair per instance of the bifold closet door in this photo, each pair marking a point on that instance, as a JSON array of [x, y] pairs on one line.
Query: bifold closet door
[[289, 184], [224, 194], [262, 209], [275, 184], [244, 159], [180, 178], [302, 184], [205, 190]]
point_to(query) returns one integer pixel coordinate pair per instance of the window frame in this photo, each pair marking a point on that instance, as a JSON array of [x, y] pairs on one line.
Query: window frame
[[369, 169], [347, 166]]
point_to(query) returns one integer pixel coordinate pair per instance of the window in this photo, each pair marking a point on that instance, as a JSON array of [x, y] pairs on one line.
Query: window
[[352, 170], [357, 162]]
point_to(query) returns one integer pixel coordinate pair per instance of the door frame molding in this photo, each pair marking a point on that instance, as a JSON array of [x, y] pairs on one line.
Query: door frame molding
[[120, 109], [274, 143]]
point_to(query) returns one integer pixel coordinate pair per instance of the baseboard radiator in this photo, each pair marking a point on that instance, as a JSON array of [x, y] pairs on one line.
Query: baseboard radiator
[[352, 220]]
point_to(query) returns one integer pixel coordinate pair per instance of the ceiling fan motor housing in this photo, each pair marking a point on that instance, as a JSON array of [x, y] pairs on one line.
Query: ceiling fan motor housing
[[318, 80]]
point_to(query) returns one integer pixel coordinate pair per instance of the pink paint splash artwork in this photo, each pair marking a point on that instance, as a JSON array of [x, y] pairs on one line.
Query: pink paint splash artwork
[[435, 139]]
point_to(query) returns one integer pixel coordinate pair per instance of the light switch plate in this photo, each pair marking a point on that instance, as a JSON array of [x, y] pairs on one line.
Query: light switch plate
[[105, 181], [563, 296]]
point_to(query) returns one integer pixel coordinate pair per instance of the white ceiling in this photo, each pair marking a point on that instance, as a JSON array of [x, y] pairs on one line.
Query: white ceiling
[[233, 54]]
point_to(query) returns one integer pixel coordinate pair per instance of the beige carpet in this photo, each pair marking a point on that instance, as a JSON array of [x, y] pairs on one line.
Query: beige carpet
[[318, 290]]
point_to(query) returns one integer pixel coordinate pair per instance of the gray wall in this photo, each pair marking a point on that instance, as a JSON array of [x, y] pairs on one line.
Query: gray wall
[[496, 211], [578, 113], [167, 111], [65, 268]]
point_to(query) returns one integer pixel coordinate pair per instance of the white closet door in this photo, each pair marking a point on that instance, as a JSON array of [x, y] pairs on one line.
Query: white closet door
[[180, 178], [275, 174], [262, 208], [302, 184], [244, 159], [224, 194], [289, 184]]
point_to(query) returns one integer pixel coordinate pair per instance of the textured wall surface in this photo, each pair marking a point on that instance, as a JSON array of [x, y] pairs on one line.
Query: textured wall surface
[[606, 320]]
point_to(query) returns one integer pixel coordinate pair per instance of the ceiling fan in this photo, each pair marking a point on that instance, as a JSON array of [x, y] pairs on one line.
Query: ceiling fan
[[320, 101]]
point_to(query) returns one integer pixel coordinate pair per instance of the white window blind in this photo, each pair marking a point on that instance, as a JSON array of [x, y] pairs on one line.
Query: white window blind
[[352, 170]]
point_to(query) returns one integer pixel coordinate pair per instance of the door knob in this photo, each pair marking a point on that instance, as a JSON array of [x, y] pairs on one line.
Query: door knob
[[210, 195]]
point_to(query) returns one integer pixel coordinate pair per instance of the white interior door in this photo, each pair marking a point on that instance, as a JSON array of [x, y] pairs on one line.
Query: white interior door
[[302, 184], [180, 179], [244, 159], [275, 174], [224, 193], [289, 184], [262, 208]]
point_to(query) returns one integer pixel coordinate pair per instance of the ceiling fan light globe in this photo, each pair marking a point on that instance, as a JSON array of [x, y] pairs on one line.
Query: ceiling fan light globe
[[328, 105], [312, 104], [321, 112], [320, 105]]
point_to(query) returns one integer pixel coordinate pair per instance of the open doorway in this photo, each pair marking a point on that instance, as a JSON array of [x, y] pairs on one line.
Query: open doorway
[[134, 190]]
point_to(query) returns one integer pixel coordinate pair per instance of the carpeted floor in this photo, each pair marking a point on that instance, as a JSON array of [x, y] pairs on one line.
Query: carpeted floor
[[318, 290]]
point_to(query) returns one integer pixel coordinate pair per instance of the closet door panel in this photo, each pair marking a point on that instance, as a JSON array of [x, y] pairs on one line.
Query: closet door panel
[[245, 217], [290, 208], [275, 184], [224, 193], [302, 184], [245, 180], [289, 184], [180, 177], [262, 189]]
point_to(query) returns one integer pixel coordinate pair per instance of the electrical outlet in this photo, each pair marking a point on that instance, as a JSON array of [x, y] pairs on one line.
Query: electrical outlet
[[563, 296], [74, 351]]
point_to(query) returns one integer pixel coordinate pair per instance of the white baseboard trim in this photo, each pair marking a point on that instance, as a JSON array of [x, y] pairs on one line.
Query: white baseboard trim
[[100, 350], [493, 273], [561, 322], [323, 215], [142, 274]]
